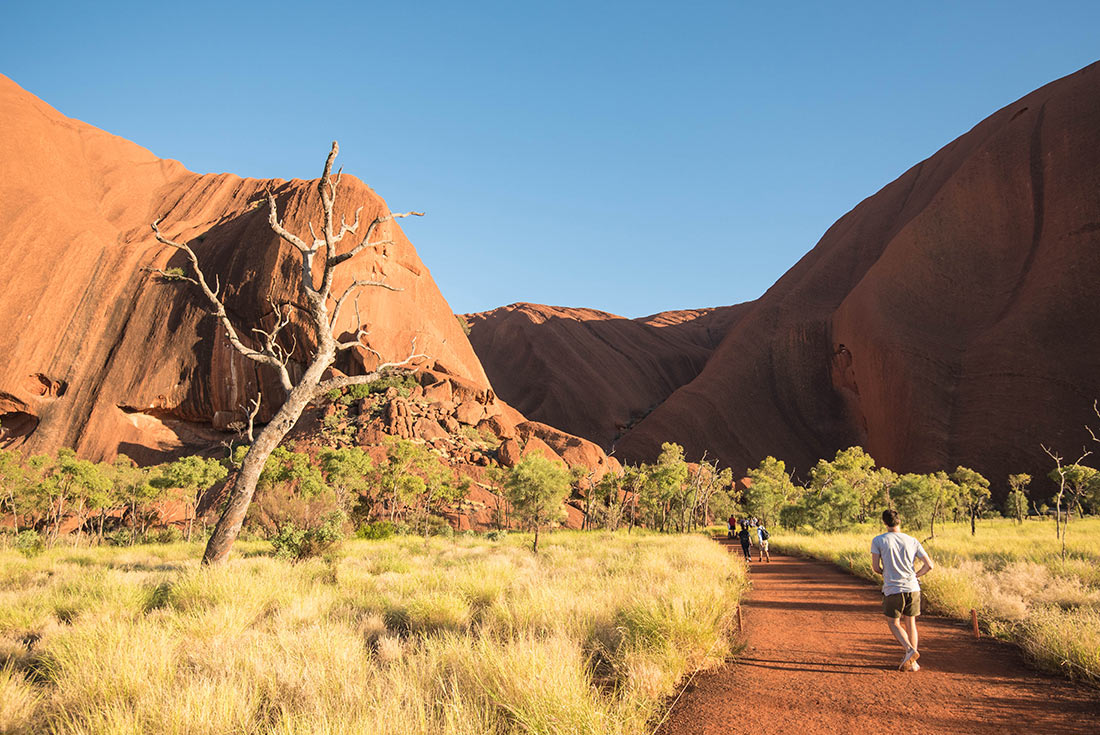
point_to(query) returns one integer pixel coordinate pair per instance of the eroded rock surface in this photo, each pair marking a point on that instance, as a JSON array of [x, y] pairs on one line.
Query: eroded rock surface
[[103, 356], [588, 372], [948, 319]]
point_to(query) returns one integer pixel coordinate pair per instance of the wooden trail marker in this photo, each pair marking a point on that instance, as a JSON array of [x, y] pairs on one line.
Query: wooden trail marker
[[974, 622], [740, 622]]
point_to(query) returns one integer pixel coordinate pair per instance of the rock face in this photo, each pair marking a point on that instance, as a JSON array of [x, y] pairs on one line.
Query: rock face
[[948, 319], [588, 372], [105, 357]]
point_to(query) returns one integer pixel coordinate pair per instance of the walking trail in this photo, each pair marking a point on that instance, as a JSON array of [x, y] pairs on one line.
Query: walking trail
[[819, 659]]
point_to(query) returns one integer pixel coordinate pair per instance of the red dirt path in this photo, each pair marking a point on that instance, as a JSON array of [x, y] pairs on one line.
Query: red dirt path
[[819, 659]]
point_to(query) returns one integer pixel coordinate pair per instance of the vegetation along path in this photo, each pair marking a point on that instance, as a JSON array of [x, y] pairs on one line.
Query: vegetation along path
[[818, 658]]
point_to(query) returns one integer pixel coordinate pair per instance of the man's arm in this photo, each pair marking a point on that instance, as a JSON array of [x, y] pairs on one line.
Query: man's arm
[[876, 563], [926, 565]]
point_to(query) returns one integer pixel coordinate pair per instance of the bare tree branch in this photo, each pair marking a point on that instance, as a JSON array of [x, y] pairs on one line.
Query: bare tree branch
[[261, 356], [345, 228], [290, 237], [252, 415], [365, 242]]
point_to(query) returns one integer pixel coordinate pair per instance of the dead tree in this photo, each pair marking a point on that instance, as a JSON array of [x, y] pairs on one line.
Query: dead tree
[[317, 299]]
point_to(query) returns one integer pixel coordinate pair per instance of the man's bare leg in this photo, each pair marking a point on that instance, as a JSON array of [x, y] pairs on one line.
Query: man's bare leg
[[911, 628], [903, 638], [899, 633]]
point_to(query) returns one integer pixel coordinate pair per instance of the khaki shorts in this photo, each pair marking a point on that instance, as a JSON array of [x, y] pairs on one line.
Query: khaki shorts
[[903, 603]]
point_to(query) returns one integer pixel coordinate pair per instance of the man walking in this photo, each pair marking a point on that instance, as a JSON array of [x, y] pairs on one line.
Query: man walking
[[892, 556]]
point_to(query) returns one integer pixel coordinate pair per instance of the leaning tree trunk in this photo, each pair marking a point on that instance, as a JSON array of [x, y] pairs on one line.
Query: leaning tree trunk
[[244, 487]]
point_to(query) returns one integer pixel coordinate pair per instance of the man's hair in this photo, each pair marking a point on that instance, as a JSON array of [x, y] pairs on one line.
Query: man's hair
[[891, 517]]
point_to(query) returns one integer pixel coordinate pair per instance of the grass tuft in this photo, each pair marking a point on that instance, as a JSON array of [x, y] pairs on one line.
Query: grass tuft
[[401, 636]]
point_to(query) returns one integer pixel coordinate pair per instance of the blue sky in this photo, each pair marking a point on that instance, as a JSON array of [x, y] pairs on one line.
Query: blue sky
[[632, 157]]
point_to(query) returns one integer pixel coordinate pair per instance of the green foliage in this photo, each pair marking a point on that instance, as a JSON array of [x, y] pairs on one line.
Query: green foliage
[[1082, 485], [404, 382], [347, 471], [187, 479], [915, 497], [377, 530], [1016, 505], [464, 324], [412, 480], [29, 543], [973, 492], [291, 491], [770, 489], [358, 391], [536, 489], [294, 543]]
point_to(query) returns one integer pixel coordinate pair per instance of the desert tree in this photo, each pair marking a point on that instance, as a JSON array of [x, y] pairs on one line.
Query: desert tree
[[769, 489], [1016, 502], [1076, 482], [536, 488], [190, 477], [1061, 474], [320, 256], [973, 493]]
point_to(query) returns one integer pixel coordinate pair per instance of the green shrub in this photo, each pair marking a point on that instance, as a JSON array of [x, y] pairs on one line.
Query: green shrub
[[296, 543], [377, 530], [29, 543], [357, 392], [167, 535], [496, 534], [404, 382], [433, 525]]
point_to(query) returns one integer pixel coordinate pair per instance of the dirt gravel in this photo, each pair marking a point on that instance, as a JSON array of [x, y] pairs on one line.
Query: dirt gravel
[[818, 658]]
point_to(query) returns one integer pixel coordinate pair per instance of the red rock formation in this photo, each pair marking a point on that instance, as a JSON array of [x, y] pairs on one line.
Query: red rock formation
[[948, 319], [588, 372], [103, 356]]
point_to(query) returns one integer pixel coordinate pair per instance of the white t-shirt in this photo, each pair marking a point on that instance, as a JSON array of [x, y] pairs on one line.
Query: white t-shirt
[[897, 551]]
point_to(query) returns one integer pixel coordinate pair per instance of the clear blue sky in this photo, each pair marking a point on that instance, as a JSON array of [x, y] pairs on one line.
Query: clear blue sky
[[627, 156]]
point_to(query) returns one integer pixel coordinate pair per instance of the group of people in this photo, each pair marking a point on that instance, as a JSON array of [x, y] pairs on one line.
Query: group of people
[[750, 528]]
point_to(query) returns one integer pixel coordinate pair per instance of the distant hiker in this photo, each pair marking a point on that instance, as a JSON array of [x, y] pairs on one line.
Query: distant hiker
[[732, 526], [892, 556], [746, 540], [763, 536]]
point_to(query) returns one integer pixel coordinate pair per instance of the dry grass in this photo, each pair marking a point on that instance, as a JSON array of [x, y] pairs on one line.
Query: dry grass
[[1013, 575], [398, 636]]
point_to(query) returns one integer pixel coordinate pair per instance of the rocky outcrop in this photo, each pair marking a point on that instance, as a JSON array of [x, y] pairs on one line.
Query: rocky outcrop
[[103, 356], [948, 319], [588, 372], [449, 430]]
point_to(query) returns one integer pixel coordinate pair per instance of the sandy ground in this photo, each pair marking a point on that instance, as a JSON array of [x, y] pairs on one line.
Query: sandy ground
[[819, 658]]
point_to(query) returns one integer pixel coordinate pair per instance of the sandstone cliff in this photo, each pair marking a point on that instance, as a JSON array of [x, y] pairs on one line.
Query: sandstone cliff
[[948, 319], [592, 373], [101, 355]]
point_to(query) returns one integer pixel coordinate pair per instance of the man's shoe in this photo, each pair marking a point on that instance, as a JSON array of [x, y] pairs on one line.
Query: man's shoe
[[912, 655], [914, 666]]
